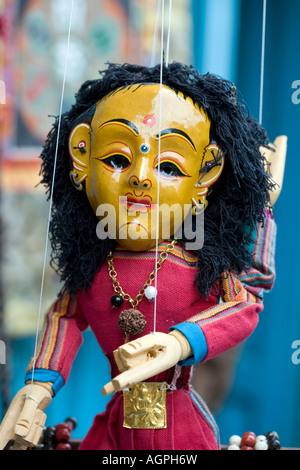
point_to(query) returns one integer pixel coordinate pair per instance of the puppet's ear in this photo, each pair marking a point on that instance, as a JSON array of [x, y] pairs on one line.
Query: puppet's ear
[[210, 172], [276, 157], [212, 165], [79, 150]]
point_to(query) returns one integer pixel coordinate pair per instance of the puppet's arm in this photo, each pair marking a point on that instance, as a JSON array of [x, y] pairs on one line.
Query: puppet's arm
[[25, 417], [147, 356], [59, 342]]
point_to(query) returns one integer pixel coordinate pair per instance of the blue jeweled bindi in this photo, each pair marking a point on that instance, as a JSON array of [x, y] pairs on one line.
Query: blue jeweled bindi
[[144, 148]]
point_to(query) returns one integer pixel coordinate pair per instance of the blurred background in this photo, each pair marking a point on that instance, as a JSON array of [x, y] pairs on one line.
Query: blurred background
[[253, 388]]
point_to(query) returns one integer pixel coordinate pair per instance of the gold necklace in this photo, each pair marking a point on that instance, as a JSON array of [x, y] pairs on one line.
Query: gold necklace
[[132, 321]]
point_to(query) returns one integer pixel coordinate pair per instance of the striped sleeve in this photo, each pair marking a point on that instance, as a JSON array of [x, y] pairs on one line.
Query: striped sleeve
[[59, 342], [260, 277], [224, 326]]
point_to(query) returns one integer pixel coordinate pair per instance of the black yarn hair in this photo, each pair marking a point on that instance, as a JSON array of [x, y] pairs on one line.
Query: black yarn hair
[[236, 204]]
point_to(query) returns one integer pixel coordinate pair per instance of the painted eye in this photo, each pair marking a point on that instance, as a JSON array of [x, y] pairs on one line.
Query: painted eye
[[116, 161], [169, 169]]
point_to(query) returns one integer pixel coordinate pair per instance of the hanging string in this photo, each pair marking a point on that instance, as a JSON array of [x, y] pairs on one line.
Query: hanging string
[[159, 11], [52, 190], [159, 151], [169, 33], [263, 51]]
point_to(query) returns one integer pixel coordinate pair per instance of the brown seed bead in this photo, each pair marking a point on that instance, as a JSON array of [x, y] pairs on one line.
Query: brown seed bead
[[131, 321]]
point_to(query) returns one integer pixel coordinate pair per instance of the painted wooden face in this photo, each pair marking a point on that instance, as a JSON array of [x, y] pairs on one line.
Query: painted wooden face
[[142, 155]]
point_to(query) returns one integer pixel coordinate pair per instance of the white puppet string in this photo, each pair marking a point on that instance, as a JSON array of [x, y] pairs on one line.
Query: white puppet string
[[263, 61], [159, 150], [159, 140], [52, 190], [159, 12], [169, 33]]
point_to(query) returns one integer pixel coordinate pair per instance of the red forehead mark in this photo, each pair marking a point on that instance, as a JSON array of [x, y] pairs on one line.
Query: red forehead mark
[[149, 120]]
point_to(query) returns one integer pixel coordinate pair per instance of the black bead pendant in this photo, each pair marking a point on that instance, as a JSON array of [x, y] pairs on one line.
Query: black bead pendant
[[116, 301]]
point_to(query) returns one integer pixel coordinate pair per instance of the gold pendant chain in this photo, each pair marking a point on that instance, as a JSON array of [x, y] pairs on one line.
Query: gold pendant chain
[[117, 287]]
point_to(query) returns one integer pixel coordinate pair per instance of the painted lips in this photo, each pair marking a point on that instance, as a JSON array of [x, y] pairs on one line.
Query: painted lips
[[137, 204]]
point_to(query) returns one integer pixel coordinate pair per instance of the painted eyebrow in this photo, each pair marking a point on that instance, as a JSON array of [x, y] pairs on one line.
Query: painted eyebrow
[[176, 131], [125, 122]]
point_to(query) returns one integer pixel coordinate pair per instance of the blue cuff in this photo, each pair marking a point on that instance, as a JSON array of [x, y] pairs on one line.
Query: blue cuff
[[44, 375], [196, 338]]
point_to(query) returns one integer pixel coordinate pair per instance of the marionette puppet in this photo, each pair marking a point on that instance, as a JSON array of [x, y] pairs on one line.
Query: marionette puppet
[[129, 144]]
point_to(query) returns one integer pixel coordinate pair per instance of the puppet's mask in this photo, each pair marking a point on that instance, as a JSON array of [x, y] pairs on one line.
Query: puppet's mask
[[117, 158]]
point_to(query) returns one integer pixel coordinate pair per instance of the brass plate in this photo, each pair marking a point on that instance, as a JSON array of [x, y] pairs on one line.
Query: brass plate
[[145, 406]]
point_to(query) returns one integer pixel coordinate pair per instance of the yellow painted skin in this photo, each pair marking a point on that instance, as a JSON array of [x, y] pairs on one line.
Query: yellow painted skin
[[124, 153]]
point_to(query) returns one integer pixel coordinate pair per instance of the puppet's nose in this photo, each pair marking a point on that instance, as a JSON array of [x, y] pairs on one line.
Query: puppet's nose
[[141, 185]]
